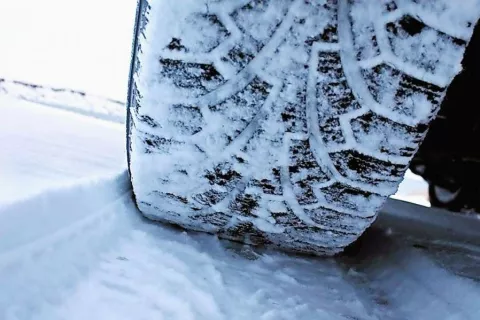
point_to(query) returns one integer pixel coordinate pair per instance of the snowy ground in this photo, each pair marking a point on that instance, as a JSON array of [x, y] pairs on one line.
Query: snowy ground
[[70, 251], [83, 252], [44, 147], [65, 99]]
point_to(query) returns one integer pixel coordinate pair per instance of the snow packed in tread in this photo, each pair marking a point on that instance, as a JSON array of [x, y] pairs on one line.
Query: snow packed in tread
[[261, 136]]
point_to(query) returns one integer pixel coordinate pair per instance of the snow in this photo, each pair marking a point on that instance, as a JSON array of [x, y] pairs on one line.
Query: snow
[[413, 189], [446, 16], [44, 147], [84, 251], [66, 99], [71, 250], [105, 262]]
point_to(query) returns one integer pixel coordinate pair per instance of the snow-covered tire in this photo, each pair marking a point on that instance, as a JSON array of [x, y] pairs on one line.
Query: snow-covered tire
[[281, 122]]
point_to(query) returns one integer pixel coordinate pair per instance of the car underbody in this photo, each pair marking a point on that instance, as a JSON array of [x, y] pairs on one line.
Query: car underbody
[[449, 157]]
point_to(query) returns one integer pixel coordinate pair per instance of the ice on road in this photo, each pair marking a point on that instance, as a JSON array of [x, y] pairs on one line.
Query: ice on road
[[83, 251]]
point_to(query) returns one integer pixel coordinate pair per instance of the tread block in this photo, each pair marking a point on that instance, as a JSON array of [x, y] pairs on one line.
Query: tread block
[[147, 120], [331, 131], [242, 53], [304, 171], [286, 218], [311, 236], [383, 135], [135, 109], [333, 84], [150, 206], [210, 197], [426, 47], [223, 179], [329, 33], [296, 228], [218, 219], [246, 231], [365, 43], [211, 32], [390, 5], [271, 185], [294, 116], [364, 37], [187, 120], [170, 198], [156, 144], [201, 33], [238, 111], [176, 45], [245, 204], [349, 199], [402, 93], [260, 18], [197, 78], [452, 15], [338, 221], [308, 247], [223, 175], [355, 166]]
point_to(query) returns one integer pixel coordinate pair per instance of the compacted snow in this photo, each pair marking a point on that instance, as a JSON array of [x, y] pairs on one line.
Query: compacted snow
[[84, 252]]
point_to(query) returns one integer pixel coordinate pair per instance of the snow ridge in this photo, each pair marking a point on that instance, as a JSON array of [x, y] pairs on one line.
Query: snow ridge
[[67, 99]]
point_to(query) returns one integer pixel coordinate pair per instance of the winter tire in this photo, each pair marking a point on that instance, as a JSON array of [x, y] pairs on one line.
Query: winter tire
[[284, 123]]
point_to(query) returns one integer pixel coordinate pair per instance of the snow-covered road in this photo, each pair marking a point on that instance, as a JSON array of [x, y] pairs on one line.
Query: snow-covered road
[[84, 252]]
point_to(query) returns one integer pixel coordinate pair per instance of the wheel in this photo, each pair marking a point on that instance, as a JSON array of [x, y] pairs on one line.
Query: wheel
[[464, 199], [442, 198], [284, 123]]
